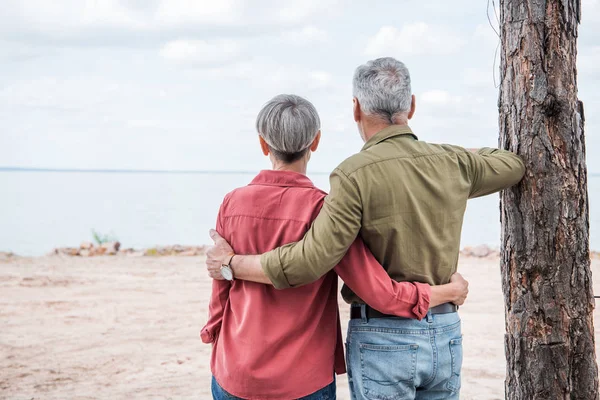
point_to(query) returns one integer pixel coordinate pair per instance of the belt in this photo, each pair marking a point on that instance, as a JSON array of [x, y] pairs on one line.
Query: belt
[[355, 312]]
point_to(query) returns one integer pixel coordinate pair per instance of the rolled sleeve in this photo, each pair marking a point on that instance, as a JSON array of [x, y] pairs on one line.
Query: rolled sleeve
[[272, 267], [423, 298], [207, 336], [216, 309]]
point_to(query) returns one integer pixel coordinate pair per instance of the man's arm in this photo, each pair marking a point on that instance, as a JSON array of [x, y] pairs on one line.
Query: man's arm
[[492, 170], [325, 243], [366, 277], [303, 262], [361, 272]]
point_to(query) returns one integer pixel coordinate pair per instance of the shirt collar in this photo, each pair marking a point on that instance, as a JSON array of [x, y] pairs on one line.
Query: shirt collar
[[390, 131], [282, 178]]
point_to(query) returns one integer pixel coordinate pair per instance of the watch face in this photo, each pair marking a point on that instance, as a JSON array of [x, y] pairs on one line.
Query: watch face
[[226, 272]]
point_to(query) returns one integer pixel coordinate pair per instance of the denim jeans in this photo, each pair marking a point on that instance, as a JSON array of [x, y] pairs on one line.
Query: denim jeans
[[395, 359], [327, 393]]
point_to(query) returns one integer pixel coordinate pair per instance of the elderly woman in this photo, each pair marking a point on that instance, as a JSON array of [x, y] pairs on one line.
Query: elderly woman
[[286, 344]]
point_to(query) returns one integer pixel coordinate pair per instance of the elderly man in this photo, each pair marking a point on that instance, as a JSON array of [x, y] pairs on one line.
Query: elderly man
[[406, 199]]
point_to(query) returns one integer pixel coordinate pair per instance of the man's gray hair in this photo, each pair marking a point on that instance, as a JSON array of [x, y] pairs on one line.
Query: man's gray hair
[[382, 87], [289, 125]]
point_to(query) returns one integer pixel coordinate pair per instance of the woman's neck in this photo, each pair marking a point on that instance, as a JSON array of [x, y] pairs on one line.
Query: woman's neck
[[297, 166]]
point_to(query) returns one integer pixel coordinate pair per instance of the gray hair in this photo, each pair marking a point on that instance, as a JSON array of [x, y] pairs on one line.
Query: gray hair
[[289, 125], [382, 87]]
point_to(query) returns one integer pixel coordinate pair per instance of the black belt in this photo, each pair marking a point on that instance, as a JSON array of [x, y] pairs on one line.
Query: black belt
[[355, 312]]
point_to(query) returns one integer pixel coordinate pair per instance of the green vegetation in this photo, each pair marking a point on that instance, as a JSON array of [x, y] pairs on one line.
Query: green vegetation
[[100, 238]]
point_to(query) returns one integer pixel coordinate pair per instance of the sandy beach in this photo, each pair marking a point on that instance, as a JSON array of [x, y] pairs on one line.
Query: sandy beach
[[127, 328]]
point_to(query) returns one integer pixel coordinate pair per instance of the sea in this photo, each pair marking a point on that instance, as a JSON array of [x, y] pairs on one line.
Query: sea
[[44, 209]]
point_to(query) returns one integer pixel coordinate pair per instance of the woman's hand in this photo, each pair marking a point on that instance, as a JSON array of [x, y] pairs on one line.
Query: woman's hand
[[461, 288], [454, 292]]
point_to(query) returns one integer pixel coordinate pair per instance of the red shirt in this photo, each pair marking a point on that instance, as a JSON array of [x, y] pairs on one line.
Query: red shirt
[[286, 344]]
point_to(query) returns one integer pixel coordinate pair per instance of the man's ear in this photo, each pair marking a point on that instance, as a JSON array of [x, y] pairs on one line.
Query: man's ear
[[413, 106], [315, 143], [264, 146], [356, 109]]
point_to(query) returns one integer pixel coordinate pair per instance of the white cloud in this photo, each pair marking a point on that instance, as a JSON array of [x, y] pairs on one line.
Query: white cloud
[[143, 123], [589, 10], [176, 12], [485, 33], [21, 51], [307, 35], [272, 76], [60, 94], [61, 17], [121, 21], [439, 97], [588, 60], [65, 17], [201, 52], [320, 79], [340, 123], [417, 38], [301, 10], [436, 102], [480, 78], [589, 34]]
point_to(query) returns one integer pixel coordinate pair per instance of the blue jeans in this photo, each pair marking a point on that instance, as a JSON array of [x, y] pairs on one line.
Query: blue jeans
[[394, 359], [327, 393]]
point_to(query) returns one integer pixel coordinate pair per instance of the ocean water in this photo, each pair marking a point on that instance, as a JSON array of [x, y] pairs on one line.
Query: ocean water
[[43, 210]]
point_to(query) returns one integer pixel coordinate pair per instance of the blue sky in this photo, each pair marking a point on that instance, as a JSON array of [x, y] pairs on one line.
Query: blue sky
[[176, 84]]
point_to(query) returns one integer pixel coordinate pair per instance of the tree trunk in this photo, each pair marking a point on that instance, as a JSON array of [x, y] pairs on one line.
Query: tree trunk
[[546, 277]]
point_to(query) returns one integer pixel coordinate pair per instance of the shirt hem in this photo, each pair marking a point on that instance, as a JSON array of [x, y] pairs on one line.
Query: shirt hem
[[279, 396]]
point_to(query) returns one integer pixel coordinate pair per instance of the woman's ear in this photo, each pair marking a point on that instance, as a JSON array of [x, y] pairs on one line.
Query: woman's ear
[[315, 143], [264, 146]]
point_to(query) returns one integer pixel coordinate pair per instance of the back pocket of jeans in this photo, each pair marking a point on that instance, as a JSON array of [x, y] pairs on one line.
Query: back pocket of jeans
[[456, 353], [388, 372]]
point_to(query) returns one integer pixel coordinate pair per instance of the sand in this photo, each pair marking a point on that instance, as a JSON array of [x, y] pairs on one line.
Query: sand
[[127, 328]]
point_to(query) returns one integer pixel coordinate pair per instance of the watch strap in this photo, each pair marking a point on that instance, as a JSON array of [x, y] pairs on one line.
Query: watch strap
[[229, 262]]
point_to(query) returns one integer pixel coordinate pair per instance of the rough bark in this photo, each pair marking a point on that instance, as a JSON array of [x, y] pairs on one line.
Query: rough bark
[[546, 275]]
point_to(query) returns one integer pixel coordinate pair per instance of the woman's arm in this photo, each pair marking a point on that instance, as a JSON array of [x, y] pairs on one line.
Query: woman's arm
[[366, 277], [216, 307], [218, 297]]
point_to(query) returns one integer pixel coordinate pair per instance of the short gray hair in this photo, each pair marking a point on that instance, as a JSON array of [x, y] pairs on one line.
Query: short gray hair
[[382, 87], [289, 125]]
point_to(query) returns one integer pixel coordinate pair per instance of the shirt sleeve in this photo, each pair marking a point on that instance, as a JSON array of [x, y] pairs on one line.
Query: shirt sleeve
[[216, 307], [218, 299], [366, 277], [492, 170], [325, 243]]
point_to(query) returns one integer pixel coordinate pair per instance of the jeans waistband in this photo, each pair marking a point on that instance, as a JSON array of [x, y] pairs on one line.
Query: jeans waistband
[[358, 311]]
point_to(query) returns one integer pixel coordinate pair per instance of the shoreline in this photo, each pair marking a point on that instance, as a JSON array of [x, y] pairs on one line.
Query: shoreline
[[115, 249]]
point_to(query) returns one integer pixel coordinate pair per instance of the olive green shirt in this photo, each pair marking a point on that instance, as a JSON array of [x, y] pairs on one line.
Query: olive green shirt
[[406, 199]]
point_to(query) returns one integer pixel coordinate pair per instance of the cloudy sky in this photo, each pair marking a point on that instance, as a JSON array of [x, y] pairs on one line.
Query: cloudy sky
[[176, 84]]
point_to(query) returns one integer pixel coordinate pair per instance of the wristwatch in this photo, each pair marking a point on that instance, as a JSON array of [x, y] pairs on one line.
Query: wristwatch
[[227, 271]]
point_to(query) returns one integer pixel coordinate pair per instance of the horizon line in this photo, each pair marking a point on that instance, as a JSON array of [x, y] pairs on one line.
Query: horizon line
[[156, 171], [138, 171]]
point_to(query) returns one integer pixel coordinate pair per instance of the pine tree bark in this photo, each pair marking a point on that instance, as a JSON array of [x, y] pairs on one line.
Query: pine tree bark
[[546, 277]]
